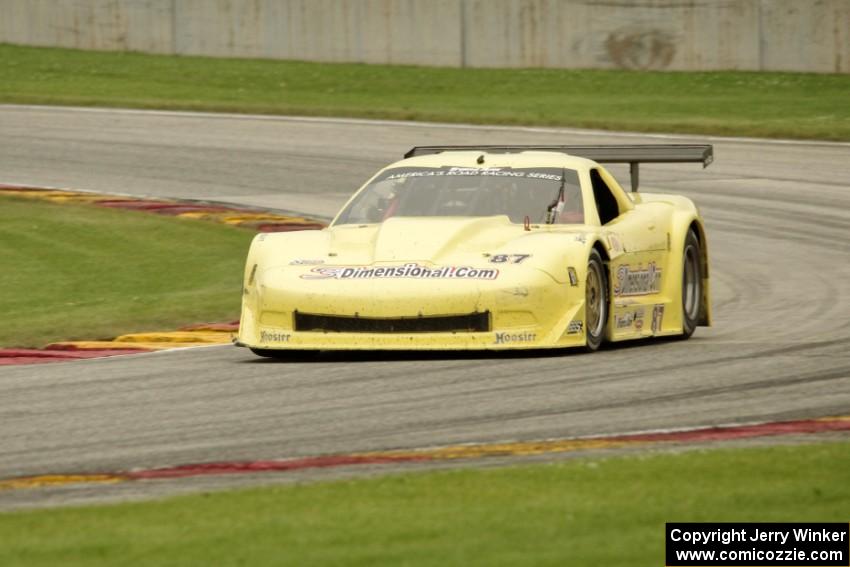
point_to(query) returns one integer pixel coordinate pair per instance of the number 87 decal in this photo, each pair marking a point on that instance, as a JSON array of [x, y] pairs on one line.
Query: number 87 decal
[[509, 258]]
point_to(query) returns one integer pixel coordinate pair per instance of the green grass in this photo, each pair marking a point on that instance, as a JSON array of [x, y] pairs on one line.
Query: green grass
[[582, 512], [85, 272], [793, 105]]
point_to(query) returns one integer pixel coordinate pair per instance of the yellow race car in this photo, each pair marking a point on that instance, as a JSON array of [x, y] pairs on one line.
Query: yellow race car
[[487, 247]]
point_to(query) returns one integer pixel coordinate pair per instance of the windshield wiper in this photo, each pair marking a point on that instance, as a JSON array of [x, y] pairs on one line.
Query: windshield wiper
[[557, 206]]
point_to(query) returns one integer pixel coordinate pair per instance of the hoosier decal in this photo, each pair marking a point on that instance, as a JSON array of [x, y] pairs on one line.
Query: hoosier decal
[[412, 271], [274, 337], [525, 337], [637, 281]]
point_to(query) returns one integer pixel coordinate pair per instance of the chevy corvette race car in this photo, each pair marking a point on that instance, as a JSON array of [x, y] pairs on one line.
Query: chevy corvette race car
[[487, 247]]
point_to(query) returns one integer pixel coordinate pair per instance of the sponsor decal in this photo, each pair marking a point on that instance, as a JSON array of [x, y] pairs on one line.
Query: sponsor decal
[[274, 337], [623, 321], [573, 276], [629, 319], [477, 172], [306, 262], [614, 243], [657, 318], [637, 280], [575, 327], [408, 271], [509, 258], [505, 338]]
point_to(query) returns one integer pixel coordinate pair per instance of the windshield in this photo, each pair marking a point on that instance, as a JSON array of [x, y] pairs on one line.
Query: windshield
[[469, 192]]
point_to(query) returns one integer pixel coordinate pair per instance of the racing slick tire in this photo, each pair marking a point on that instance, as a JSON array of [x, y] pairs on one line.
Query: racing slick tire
[[596, 301], [691, 284]]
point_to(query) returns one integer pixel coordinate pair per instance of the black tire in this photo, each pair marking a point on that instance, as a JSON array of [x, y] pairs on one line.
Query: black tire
[[691, 284], [596, 301]]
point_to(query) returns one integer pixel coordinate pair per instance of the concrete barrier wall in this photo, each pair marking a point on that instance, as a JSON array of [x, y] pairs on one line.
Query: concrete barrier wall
[[774, 35]]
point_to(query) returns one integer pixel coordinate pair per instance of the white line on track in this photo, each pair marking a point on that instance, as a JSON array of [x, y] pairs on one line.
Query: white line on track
[[126, 355], [632, 433], [4, 183], [600, 437], [434, 125], [40, 187]]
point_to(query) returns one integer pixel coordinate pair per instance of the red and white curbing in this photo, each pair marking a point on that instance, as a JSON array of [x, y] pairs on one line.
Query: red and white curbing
[[196, 335], [838, 424]]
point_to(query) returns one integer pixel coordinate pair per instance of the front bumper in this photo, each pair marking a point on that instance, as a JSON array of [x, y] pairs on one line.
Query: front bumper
[[530, 312]]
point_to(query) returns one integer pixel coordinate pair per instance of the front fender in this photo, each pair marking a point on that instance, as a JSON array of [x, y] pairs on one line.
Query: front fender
[[556, 254]]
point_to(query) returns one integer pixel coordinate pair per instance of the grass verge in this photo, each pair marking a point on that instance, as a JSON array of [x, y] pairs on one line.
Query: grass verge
[[793, 105], [74, 272], [582, 512]]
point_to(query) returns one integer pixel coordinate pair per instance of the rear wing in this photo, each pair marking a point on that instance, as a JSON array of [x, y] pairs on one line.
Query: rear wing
[[633, 155]]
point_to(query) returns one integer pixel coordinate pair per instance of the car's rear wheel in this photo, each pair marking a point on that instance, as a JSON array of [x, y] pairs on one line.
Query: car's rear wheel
[[691, 284], [596, 301]]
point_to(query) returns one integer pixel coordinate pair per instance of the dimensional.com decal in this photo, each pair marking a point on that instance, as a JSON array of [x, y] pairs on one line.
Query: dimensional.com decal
[[637, 281], [412, 271]]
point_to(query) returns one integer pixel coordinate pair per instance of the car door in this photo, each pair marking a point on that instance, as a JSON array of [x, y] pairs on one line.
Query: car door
[[637, 247]]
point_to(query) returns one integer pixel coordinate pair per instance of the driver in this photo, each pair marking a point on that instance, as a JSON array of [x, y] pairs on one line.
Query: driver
[[572, 208]]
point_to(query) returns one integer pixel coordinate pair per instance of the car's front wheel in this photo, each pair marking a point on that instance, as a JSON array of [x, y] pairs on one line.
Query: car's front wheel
[[596, 301], [691, 284]]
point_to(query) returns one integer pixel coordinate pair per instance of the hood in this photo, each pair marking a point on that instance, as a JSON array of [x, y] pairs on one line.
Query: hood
[[419, 239], [438, 241]]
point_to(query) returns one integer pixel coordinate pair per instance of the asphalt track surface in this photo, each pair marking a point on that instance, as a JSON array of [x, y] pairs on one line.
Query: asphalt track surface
[[778, 222]]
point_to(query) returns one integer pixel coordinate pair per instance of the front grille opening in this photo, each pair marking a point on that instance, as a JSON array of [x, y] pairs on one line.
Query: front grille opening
[[469, 323]]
